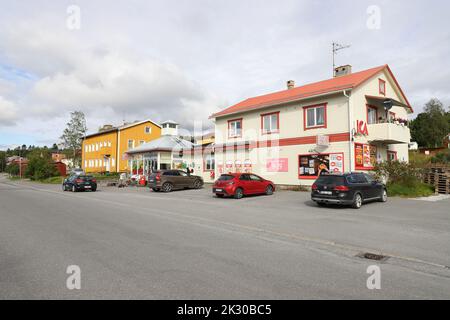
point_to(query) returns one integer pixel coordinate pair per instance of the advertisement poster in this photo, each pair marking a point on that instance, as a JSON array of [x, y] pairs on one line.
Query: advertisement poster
[[220, 166], [247, 165], [336, 162], [277, 165], [238, 165], [365, 155]]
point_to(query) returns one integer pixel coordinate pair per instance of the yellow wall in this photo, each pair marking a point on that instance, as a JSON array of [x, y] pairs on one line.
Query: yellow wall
[[93, 159], [135, 133], [91, 154]]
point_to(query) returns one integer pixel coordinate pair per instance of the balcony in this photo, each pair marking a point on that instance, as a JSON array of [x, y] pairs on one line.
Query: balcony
[[389, 133]]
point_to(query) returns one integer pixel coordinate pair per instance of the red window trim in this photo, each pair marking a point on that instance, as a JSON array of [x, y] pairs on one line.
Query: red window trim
[[368, 106], [325, 104], [381, 81], [313, 154], [392, 152], [278, 122], [242, 127], [359, 167]]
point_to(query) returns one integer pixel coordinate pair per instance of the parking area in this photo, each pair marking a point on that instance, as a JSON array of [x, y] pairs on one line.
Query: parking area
[[247, 248]]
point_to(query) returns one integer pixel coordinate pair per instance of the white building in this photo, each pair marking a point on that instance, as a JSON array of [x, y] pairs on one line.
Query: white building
[[347, 123]]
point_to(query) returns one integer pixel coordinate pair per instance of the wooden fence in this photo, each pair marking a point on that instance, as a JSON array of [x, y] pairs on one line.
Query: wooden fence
[[439, 177]]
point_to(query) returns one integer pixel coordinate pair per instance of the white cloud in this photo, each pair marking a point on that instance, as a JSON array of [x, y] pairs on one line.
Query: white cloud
[[8, 112]]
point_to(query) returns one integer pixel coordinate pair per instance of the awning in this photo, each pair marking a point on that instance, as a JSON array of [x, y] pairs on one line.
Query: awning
[[382, 101]]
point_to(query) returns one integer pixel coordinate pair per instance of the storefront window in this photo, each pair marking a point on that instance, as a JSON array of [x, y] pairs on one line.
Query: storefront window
[[312, 165], [365, 156], [209, 162]]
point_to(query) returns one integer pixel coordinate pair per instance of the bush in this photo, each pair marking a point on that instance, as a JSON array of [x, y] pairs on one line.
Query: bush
[[13, 169], [402, 179], [40, 165], [442, 157]]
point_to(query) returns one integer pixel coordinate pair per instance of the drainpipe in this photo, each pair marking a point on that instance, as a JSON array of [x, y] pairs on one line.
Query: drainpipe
[[350, 127]]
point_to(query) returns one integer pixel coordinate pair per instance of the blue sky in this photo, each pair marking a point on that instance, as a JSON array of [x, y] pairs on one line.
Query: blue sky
[[183, 60]]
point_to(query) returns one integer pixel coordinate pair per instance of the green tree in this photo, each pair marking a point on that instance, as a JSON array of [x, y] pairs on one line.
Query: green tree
[[40, 165], [73, 135], [2, 161], [430, 126]]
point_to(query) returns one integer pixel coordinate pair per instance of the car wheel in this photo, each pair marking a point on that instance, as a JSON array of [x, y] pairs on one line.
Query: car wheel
[[167, 187], [357, 202], [94, 189], [218, 195], [239, 193], [64, 187], [197, 184], [383, 197], [269, 190], [74, 189]]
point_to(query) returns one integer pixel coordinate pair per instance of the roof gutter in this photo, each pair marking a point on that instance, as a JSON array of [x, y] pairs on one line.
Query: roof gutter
[[215, 116]]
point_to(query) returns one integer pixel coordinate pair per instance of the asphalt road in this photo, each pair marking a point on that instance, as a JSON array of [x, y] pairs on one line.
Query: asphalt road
[[135, 244]]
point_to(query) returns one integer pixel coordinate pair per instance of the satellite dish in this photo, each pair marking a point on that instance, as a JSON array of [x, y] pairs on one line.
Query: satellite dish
[[388, 104]]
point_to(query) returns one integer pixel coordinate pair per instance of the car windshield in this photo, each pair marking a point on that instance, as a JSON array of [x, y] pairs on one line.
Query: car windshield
[[226, 177], [85, 177], [338, 180]]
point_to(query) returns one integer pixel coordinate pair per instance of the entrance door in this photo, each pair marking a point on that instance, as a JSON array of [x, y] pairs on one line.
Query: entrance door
[[107, 165]]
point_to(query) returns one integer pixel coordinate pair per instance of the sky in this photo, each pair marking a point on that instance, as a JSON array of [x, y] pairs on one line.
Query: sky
[[183, 60]]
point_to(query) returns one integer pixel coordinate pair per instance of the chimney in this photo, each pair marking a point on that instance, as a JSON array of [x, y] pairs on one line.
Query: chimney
[[290, 84], [342, 71]]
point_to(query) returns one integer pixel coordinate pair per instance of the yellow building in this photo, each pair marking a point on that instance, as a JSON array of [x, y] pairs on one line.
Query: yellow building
[[105, 151]]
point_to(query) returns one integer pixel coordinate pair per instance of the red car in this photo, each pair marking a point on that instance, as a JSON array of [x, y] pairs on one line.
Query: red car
[[242, 184]]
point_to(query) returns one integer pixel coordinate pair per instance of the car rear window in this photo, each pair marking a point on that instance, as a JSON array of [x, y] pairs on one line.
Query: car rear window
[[226, 177], [86, 178], [338, 180]]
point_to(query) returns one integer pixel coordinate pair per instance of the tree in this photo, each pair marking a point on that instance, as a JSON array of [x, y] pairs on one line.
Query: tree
[[40, 165], [73, 135], [430, 126], [2, 161]]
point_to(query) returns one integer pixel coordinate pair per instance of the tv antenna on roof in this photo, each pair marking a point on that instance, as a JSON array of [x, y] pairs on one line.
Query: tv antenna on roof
[[336, 48]]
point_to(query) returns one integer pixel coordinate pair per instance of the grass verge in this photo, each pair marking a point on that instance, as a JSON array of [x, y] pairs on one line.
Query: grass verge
[[415, 190]]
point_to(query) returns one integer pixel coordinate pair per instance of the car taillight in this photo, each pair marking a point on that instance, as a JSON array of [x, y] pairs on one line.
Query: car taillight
[[314, 186], [158, 177], [341, 188], [78, 181], [93, 180]]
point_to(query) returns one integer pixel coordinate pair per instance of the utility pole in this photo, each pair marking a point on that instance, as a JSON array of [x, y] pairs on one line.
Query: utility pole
[[336, 48]]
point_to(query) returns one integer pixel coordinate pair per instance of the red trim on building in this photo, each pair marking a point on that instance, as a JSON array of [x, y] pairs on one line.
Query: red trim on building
[[278, 122], [242, 128], [325, 104]]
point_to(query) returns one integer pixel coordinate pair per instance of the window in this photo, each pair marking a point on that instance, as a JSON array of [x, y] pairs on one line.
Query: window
[[382, 86], [392, 155], [148, 130], [109, 144], [86, 148], [315, 117], [96, 163], [365, 156], [244, 177], [85, 163], [130, 144], [310, 166], [235, 128], [209, 162], [356, 178], [113, 162], [100, 163], [270, 123], [141, 142], [96, 147], [172, 125], [372, 114], [254, 178]]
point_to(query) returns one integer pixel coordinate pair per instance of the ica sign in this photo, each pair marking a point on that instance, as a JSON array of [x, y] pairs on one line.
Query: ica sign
[[361, 128]]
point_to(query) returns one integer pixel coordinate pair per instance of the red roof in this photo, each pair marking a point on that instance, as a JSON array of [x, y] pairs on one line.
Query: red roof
[[310, 90]]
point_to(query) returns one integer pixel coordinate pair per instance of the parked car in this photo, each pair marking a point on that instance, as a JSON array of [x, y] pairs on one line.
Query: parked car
[[168, 180], [242, 184], [347, 189], [79, 183]]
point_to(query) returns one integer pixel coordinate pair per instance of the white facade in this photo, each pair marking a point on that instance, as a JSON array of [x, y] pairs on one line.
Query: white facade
[[293, 153]]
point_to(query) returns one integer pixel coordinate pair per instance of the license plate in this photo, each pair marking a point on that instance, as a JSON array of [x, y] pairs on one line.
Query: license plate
[[87, 187], [326, 192], [218, 190], [152, 180]]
